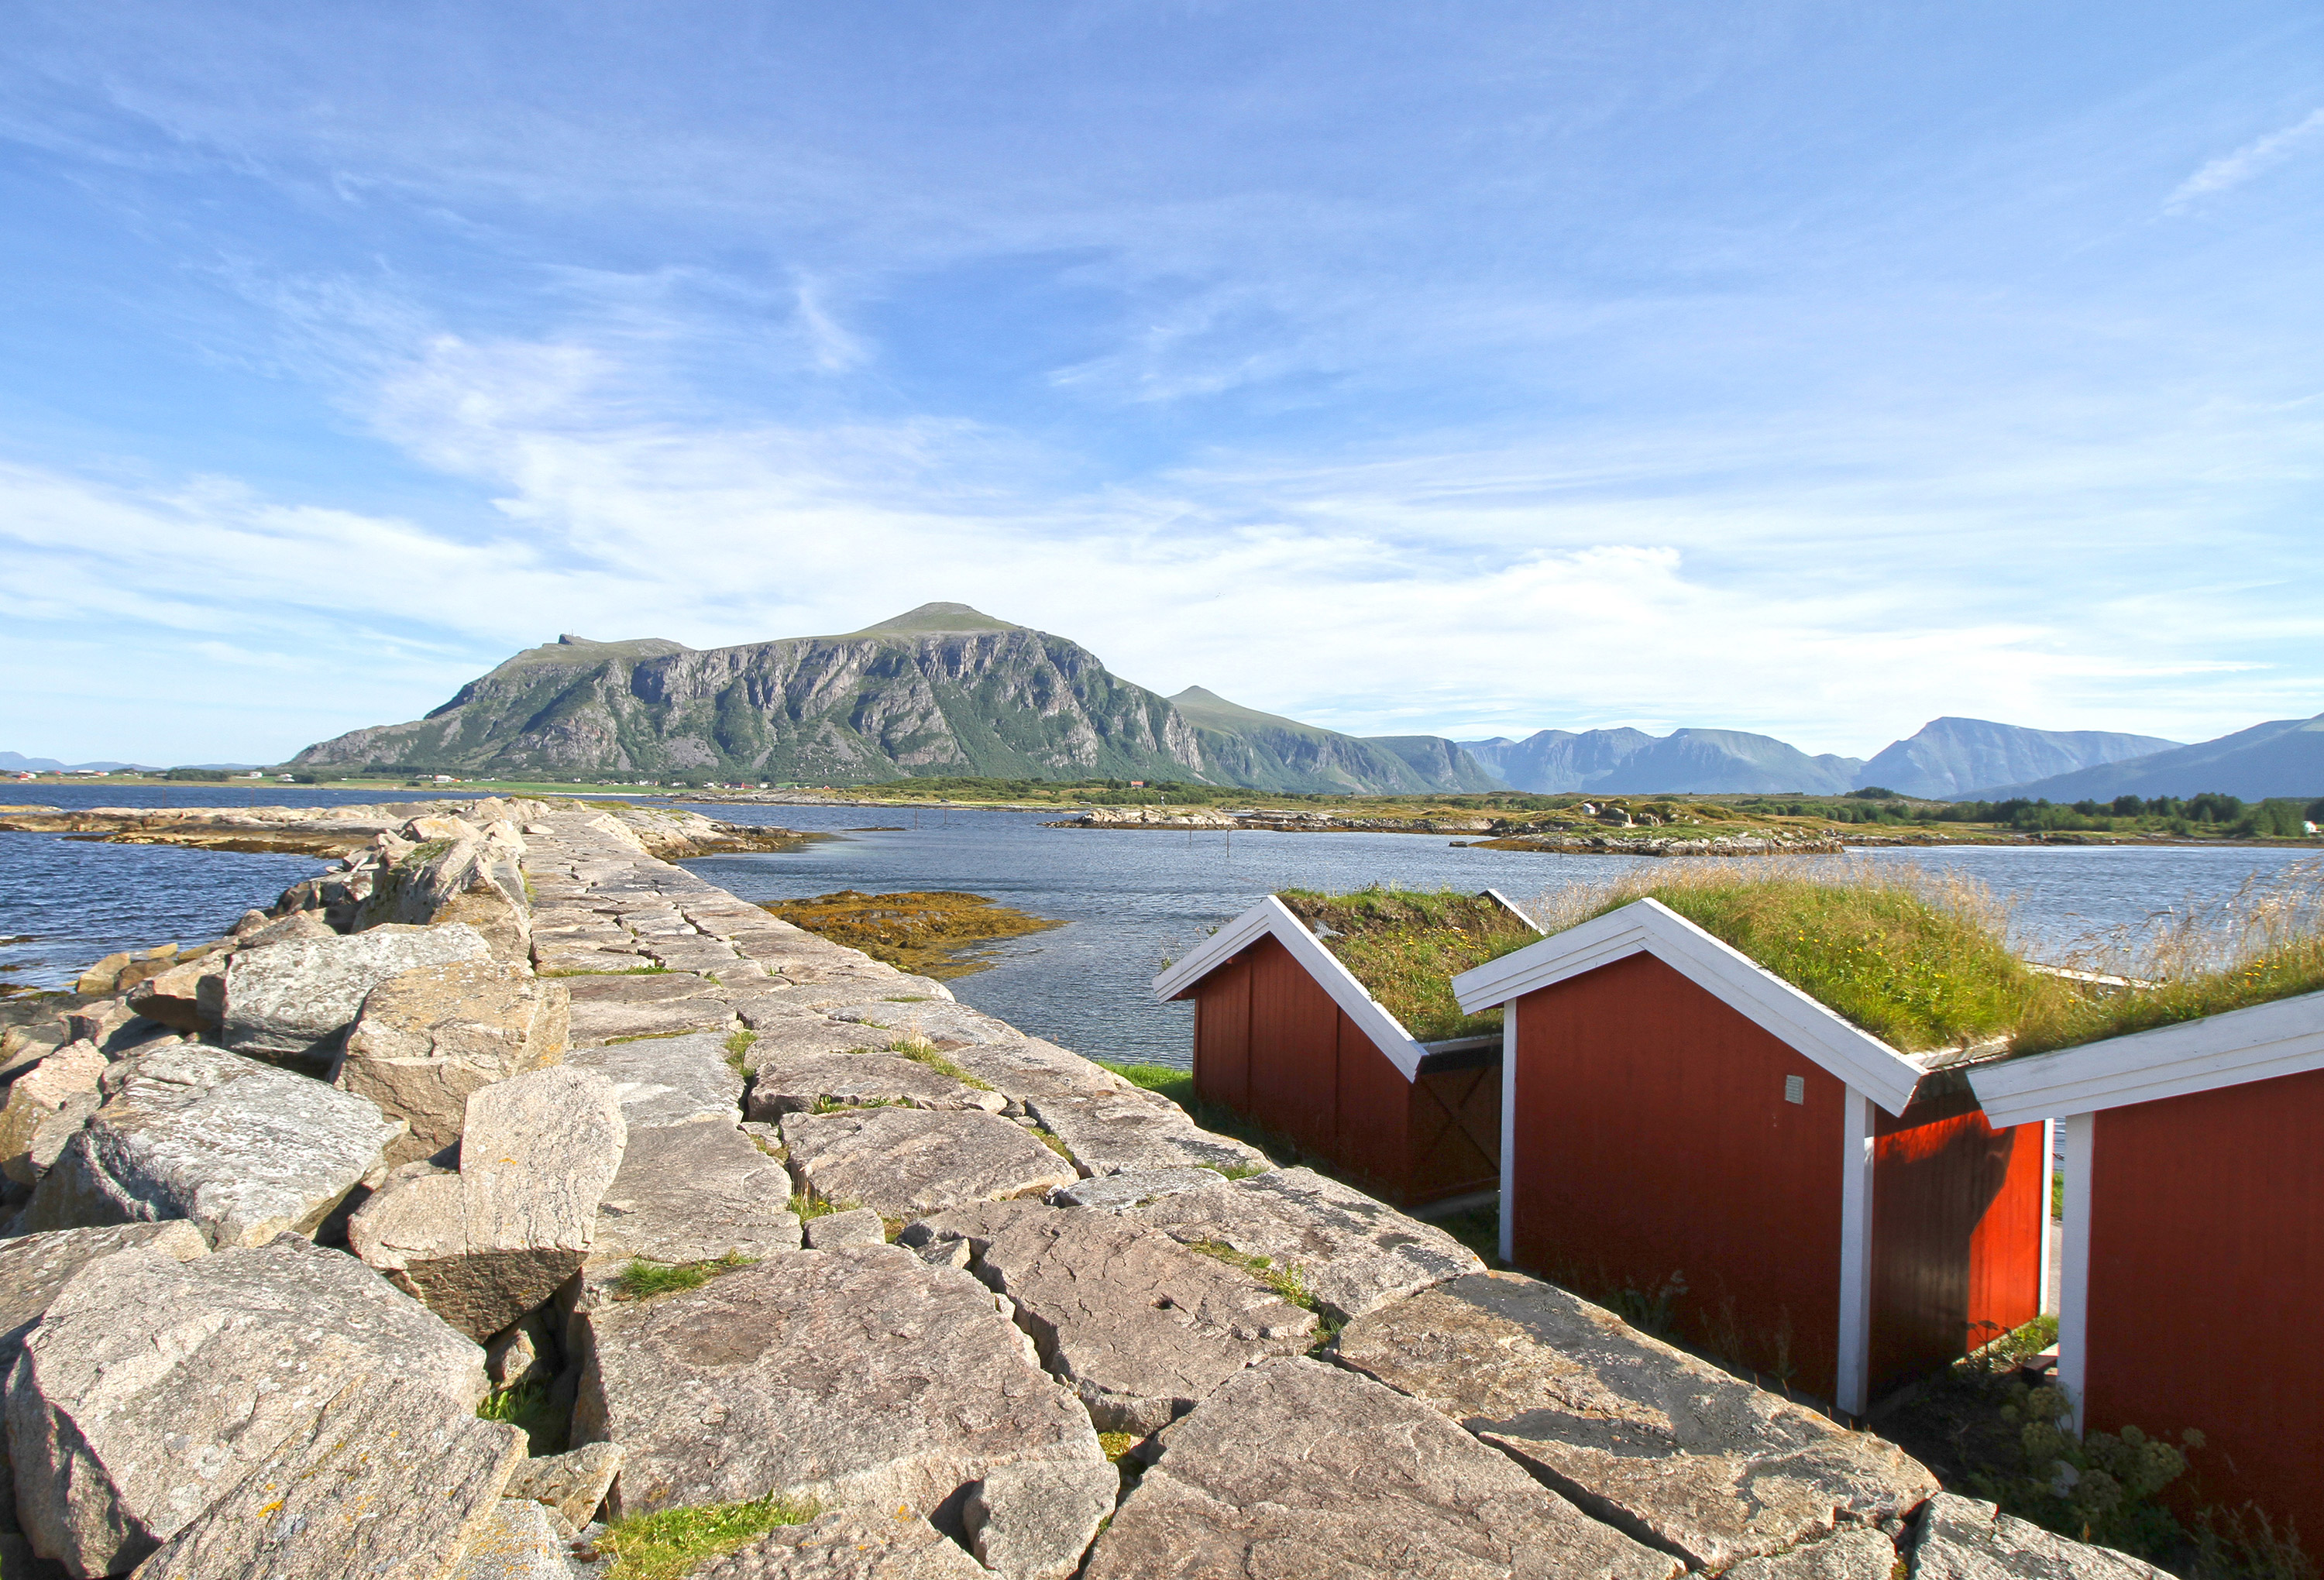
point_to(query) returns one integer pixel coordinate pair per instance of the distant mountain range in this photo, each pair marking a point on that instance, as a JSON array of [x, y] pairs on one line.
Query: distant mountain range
[[17, 763], [2283, 758], [1632, 762], [943, 689], [946, 689]]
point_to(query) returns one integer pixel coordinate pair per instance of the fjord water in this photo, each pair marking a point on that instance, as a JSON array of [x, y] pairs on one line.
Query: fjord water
[[1131, 899]]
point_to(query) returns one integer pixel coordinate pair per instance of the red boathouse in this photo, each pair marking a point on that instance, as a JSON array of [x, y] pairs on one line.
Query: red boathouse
[[1690, 1138], [2194, 1230], [1286, 1034]]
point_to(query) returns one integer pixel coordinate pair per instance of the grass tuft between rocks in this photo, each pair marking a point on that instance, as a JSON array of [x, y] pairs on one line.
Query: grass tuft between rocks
[[808, 1205], [642, 1281], [672, 1542], [919, 1050], [738, 1048], [529, 1408]]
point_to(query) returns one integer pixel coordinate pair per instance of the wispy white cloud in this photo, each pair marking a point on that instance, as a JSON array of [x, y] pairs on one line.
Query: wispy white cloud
[[2253, 158]]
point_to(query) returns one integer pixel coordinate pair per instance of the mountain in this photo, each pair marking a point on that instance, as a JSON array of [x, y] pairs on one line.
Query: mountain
[[1266, 751], [1949, 757], [1632, 762], [2282, 758], [17, 763], [1550, 760], [942, 689]]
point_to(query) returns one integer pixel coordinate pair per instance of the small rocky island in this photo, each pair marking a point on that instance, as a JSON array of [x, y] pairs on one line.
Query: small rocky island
[[509, 1189]]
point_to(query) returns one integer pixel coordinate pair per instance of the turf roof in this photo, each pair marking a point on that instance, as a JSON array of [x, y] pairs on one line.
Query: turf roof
[[1407, 945]]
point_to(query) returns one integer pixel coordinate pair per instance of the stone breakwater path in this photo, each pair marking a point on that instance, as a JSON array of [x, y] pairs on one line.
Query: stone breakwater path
[[508, 1108]]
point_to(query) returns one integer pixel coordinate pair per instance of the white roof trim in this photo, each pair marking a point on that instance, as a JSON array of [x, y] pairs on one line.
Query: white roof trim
[[1272, 918], [2265, 1040], [1650, 927]]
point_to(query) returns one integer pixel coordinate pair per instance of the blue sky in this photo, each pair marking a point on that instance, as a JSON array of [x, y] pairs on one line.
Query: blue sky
[[1815, 369]]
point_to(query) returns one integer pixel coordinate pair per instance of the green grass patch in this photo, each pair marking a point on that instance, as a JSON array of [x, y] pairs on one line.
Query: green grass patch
[[1116, 1444], [1407, 945], [642, 1281], [834, 1105], [925, 1053], [529, 1408], [673, 1542], [738, 1048], [648, 1037], [1048, 1138]]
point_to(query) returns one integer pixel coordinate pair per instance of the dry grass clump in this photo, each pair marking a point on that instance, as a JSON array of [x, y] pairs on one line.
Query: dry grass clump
[[1407, 945], [2263, 942], [1920, 959]]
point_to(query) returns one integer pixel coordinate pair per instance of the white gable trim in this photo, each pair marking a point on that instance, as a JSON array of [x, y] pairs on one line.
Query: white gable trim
[[2267, 1040], [1272, 918], [1650, 927]]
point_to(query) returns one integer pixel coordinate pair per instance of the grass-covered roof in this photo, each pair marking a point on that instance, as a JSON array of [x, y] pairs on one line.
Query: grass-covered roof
[[1407, 945], [1923, 961]]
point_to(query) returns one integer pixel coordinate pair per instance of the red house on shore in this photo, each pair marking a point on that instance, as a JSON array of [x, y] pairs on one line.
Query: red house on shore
[[1286, 1034], [2194, 1231], [1686, 1136]]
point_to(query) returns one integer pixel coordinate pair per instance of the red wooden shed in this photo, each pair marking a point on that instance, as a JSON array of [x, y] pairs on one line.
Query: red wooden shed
[[1683, 1130], [2194, 1231], [1285, 1033]]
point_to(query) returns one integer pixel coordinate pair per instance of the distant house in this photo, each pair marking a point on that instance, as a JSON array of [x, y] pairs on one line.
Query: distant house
[[1694, 1140], [2194, 1231], [1286, 1033]]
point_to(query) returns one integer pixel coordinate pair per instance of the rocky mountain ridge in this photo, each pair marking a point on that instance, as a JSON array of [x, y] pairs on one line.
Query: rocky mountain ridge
[[943, 689]]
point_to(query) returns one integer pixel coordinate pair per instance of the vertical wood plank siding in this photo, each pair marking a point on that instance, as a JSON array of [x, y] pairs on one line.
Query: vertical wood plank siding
[[2206, 1265], [1957, 1210], [1652, 1139], [1269, 1042]]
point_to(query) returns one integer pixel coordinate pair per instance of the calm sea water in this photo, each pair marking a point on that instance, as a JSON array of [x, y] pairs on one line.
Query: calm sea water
[[1131, 900]]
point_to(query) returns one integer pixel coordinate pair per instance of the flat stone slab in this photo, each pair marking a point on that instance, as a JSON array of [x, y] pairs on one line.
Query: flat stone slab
[[857, 1378], [383, 1445], [34, 1267], [427, 1038], [1965, 1538], [846, 1546], [650, 1004], [1664, 1444], [245, 1149], [1354, 1253], [291, 998], [1134, 1187], [1295, 1470], [795, 1033], [670, 1081], [909, 1162], [1140, 1328], [693, 1193], [1123, 1131], [1029, 1069], [573, 1484], [947, 1023], [1852, 1552], [516, 1540], [151, 1386], [799, 1083], [484, 1245], [862, 1226]]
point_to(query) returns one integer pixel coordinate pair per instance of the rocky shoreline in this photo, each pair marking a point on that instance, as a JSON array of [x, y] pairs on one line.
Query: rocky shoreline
[[508, 1110]]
